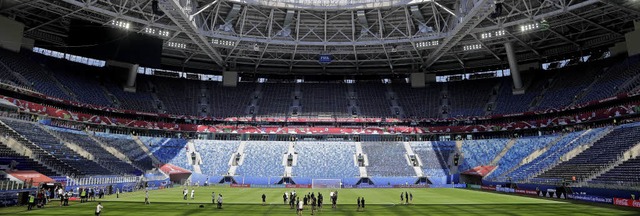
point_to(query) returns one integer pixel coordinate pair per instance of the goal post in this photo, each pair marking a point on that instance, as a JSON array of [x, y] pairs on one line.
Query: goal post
[[326, 183]]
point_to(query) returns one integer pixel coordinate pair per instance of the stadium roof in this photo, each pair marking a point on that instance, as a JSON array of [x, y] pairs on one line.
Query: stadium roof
[[361, 37]]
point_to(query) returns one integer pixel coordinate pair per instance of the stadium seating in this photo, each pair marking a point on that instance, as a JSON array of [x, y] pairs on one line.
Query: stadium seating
[[480, 152], [419, 102], [608, 83], [215, 155], [522, 148], [434, 156], [371, 98], [324, 99], [567, 84], [126, 145], [604, 152], [57, 149], [276, 99], [553, 154], [39, 78], [387, 159], [179, 96], [7, 155], [229, 101], [79, 78], [626, 173], [326, 160], [263, 159], [102, 156], [168, 150], [469, 98]]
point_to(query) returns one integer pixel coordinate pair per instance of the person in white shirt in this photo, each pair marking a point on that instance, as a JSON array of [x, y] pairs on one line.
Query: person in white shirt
[[146, 197], [192, 193], [300, 206], [184, 193], [98, 209], [219, 201]]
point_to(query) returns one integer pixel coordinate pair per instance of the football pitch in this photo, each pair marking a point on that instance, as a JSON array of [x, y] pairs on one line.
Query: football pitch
[[247, 201]]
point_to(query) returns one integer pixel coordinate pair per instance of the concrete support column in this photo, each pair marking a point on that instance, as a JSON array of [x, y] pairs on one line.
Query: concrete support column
[[513, 65], [133, 72]]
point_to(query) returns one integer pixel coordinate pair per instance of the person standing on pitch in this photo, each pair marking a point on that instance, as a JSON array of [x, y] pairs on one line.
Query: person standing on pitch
[[185, 192], [300, 207], [406, 197], [219, 201], [98, 209], [213, 197], [193, 191], [146, 197], [358, 204], [362, 200], [411, 197], [284, 197], [264, 199]]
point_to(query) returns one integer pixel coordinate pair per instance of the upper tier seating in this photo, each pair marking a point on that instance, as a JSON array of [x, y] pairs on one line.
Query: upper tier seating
[[168, 90], [567, 85], [276, 99], [33, 72], [371, 98], [609, 82], [229, 101], [326, 160], [387, 159], [507, 102], [468, 98], [419, 102], [263, 159], [324, 99], [216, 155], [141, 100], [79, 79]]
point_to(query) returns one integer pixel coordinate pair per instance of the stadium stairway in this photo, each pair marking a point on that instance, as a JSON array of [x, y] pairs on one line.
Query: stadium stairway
[[232, 168], [75, 147], [627, 155], [198, 161], [363, 170], [504, 151], [576, 151], [111, 150], [19, 143], [288, 170], [146, 150], [417, 169]]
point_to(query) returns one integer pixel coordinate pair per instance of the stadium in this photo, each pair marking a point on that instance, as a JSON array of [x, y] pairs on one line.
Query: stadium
[[279, 107]]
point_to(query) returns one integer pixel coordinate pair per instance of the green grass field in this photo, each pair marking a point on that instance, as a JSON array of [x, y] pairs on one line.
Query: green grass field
[[385, 202]]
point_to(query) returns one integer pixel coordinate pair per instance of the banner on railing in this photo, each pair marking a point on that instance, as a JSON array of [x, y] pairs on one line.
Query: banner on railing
[[590, 198], [626, 202], [240, 185]]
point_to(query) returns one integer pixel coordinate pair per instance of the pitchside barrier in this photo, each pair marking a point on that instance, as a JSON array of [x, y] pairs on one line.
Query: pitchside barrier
[[597, 195], [346, 186]]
